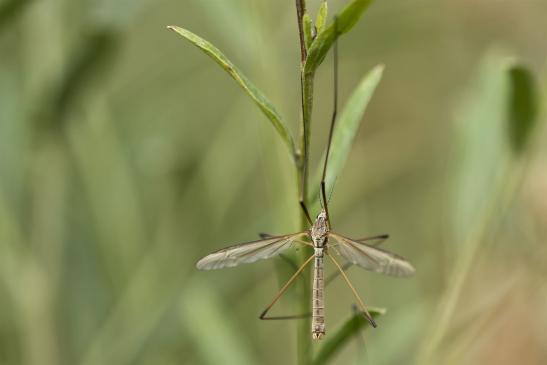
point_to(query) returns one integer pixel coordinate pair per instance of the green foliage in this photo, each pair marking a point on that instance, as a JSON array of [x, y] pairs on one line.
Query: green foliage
[[481, 142], [486, 177], [319, 48], [523, 107], [308, 33], [496, 117], [259, 98], [349, 119], [321, 20], [346, 19], [202, 313], [98, 51], [341, 337], [10, 9], [153, 164], [347, 126]]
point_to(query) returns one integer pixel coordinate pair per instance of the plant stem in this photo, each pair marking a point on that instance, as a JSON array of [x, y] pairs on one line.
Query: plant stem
[[304, 349], [300, 11]]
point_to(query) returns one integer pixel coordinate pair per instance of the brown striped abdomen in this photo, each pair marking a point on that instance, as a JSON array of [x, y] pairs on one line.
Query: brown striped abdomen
[[318, 305]]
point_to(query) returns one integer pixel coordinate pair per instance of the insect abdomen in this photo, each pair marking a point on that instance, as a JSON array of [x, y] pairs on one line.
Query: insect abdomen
[[318, 305]]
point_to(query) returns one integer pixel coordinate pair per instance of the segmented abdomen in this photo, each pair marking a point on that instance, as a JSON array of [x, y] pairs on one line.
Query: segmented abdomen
[[318, 306]]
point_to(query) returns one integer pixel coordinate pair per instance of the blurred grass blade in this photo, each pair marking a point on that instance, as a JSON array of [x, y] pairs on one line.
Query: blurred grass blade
[[485, 180], [346, 19], [218, 340], [9, 10], [482, 144], [523, 107], [349, 329], [347, 126], [260, 99], [97, 53]]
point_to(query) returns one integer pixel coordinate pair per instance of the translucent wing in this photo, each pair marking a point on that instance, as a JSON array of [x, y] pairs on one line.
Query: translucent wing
[[372, 258], [248, 252]]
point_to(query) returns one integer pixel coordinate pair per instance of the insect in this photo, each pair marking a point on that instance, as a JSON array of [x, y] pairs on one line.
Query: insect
[[362, 252]]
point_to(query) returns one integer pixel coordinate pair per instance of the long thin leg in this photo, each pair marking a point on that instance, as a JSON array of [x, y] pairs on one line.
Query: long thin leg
[[333, 120], [304, 208], [362, 305], [373, 240], [305, 166], [280, 293]]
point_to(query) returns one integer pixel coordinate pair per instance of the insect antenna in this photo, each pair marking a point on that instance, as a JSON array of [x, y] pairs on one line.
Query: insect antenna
[[333, 120]]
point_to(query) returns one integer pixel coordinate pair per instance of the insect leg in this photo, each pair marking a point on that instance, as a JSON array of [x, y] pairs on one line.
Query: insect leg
[[305, 209], [359, 300], [280, 293], [333, 120], [374, 240]]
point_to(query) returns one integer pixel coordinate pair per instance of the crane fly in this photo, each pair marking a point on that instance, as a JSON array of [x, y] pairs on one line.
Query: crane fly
[[362, 252]]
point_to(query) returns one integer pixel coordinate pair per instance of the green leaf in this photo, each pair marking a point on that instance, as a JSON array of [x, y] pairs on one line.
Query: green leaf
[[482, 154], [321, 19], [345, 20], [485, 179], [523, 107], [203, 318], [259, 98], [347, 126], [307, 23], [343, 335]]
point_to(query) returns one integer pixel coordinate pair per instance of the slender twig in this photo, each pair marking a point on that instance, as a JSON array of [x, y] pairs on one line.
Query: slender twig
[[300, 11], [303, 332]]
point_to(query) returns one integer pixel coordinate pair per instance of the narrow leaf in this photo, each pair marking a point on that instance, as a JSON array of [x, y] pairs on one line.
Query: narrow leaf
[[308, 33], [344, 334], [523, 107], [347, 126], [482, 154], [203, 318], [345, 20], [484, 182], [321, 19], [259, 98]]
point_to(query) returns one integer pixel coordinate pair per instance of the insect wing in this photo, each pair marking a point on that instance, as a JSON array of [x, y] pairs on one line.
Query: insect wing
[[372, 258], [248, 252]]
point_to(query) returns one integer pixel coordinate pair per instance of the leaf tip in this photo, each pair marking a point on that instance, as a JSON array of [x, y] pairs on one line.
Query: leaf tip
[[379, 68], [377, 311], [174, 28]]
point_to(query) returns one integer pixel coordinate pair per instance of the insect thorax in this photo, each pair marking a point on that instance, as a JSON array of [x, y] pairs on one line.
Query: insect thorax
[[320, 230]]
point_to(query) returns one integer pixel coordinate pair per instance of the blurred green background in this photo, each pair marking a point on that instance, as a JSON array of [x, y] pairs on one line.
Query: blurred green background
[[126, 155]]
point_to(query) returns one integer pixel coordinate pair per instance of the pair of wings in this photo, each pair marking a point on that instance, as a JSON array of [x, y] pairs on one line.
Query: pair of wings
[[362, 252]]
